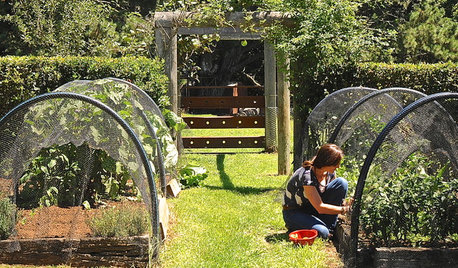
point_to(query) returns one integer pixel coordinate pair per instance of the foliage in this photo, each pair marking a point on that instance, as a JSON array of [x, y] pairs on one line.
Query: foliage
[[56, 177], [426, 78], [417, 205], [206, 8], [430, 35], [52, 171], [192, 175], [7, 217], [82, 27], [174, 121], [22, 78], [125, 220], [416, 30], [325, 36]]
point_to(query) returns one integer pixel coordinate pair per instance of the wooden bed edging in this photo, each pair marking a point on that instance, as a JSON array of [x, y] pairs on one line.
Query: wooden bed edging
[[85, 252]]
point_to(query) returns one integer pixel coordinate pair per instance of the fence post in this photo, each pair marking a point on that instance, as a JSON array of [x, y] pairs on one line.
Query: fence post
[[270, 96], [166, 42], [284, 132]]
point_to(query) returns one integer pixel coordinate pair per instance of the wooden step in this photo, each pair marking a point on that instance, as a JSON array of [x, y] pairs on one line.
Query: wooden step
[[223, 102], [225, 122], [225, 142]]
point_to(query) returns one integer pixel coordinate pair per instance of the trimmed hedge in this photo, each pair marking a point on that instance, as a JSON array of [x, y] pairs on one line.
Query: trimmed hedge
[[22, 78], [308, 92], [426, 78]]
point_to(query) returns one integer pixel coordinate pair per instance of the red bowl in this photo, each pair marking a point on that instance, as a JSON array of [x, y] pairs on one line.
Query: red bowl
[[303, 237]]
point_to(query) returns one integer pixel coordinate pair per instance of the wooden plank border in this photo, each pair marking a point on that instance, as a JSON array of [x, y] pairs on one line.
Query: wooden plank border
[[223, 102], [225, 142], [198, 122]]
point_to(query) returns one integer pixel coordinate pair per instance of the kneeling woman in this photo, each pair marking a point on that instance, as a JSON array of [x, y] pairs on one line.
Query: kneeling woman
[[314, 196]]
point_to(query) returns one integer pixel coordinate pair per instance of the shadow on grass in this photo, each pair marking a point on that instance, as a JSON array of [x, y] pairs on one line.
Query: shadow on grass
[[277, 238], [227, 183]]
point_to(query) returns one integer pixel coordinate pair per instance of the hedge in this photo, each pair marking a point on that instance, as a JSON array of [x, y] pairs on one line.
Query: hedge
[[426, 78], [307, 92], [22, 78]]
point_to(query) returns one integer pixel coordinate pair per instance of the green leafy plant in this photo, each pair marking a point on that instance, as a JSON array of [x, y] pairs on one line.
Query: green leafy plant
[[55, 177], [122, 221], [416, 206], [50, 198], [192, 175], [7, 217]]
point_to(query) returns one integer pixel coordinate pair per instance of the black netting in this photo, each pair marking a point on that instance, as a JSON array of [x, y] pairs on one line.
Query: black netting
[[130, 102], [85, 144], [408, 184], [322, 120], [359, 127]]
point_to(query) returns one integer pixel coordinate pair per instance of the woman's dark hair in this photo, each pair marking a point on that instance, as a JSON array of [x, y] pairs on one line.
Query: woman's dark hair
[[328, 155]]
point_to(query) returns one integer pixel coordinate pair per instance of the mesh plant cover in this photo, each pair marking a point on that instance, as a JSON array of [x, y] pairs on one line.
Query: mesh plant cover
[[324, 117], [363, 121], [57, 122], [411, 192], [130, 102], [61, 150]]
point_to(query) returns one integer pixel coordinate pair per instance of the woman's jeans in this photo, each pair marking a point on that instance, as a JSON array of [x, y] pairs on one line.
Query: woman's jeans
[[308, 217]]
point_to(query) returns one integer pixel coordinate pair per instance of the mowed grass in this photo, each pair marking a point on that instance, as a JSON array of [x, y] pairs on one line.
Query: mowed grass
[[234, 219]]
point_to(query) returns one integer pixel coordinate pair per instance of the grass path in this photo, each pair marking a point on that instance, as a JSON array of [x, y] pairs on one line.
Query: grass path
[[234, 219]]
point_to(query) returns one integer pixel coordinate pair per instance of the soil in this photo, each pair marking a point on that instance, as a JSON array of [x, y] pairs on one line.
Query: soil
[[53, 222], [57, 222]]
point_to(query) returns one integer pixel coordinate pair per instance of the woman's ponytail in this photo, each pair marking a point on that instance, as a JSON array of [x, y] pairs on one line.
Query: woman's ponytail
[[327, 155], [308, 164]]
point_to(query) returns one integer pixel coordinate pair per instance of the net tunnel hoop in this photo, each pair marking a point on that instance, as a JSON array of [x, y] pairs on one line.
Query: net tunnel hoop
[[349, 112], [139, 147], [370, 156], [304, 155]]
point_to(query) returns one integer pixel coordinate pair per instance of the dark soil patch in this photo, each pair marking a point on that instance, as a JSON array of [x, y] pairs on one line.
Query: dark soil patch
[[57, 222], [53, 221]]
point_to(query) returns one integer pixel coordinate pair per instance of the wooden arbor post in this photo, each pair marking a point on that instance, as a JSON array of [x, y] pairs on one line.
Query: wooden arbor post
[[284, 132], [166, 44]]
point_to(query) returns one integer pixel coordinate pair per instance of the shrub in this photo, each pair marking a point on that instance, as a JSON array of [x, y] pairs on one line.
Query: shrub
[[191, 175], [7, 216], [120, 221], [417, 205], [22, 78]]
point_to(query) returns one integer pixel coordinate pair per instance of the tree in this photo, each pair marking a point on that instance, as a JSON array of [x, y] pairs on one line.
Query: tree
[[80, 27], [431, 35], [416, 30]]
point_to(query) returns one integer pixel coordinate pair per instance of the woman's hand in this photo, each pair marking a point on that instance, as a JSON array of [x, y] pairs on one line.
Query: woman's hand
[[348, 201], [345, 209]]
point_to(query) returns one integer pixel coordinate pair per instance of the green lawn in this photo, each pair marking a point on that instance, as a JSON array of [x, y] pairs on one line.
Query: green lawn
[[234, 219]]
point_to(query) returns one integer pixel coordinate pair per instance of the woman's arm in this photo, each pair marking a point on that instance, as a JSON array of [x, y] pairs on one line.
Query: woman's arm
[[322, 208]]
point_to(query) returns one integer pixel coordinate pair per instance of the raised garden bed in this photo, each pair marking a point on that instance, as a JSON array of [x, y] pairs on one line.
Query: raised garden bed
[[83, 252], [54, 235], [395, 256]]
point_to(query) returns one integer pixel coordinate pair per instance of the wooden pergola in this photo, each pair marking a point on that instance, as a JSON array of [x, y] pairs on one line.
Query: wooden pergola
[[169, 25]]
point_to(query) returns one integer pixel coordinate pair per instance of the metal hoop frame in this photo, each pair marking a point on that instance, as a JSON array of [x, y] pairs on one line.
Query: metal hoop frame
[[151, 183], [347, 114], [370, 156]]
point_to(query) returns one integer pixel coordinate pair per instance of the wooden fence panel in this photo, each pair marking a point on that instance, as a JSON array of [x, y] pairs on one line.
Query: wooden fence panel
[[225, 122], [225, 142]]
